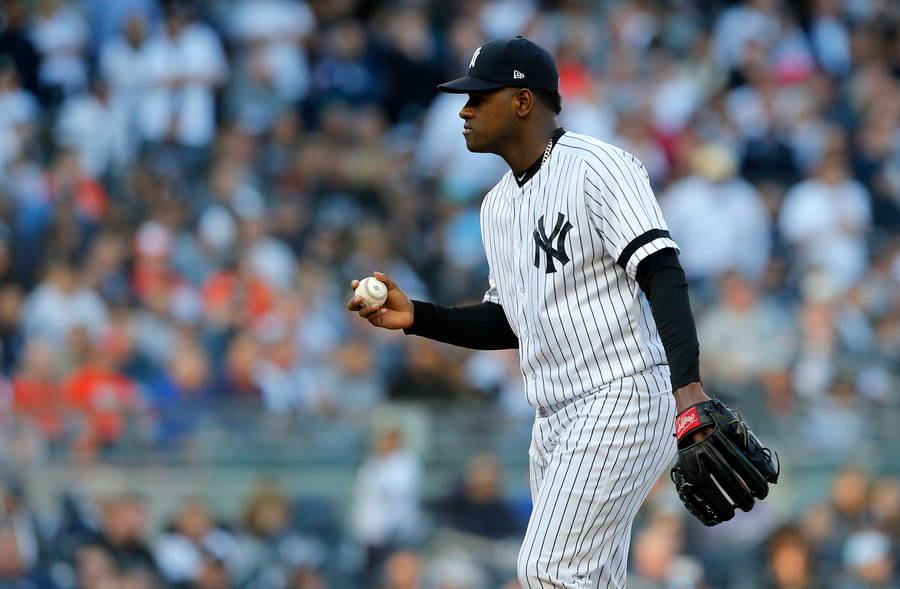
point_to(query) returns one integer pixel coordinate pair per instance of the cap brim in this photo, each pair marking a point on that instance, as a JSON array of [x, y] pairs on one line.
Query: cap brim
[[468, 84]]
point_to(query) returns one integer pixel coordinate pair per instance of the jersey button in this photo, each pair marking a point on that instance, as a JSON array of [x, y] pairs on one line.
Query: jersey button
[[533, 376], [522, 289]]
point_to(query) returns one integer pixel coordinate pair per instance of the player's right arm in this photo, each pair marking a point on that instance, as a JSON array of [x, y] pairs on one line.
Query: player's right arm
[[480, 327]]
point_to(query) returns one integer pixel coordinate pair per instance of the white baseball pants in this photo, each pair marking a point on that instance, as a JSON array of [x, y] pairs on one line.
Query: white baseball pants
[[592, 463]]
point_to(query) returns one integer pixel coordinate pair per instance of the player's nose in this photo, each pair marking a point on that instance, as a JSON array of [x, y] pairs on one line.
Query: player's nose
[[465, 112]]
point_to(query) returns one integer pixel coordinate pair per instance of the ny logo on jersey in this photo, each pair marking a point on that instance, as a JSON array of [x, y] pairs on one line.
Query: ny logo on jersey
[[545, 242]]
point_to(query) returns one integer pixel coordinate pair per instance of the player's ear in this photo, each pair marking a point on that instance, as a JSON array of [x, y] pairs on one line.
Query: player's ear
[[523, 101]]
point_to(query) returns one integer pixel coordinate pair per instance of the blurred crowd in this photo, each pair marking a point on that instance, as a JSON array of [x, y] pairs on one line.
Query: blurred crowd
[[187, 188]]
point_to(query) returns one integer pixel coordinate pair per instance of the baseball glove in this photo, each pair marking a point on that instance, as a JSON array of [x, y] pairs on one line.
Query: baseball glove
[[724, 470]]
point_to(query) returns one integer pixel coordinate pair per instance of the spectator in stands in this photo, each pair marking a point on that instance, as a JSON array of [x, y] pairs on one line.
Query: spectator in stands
[[385, 510], [871, 562], [15, 42], [104, 270], [476, 504], [124, 70], [815, 368], [496, 375], [827, 527], [199, 254], [194, 552], [410, 63], [402, 571], [18, 113], [268, 550], [428, 372], [826, 218], [61, 303], [747, 342], [656, 559], [834, 425], [122, 534], [60, 35], [272, 69], [96, 128], [37, 394], [286, 385], [12, 341], [345, 69], [789, 561], [184, 64], [183, 392], [94, 567], [352, 377], [18, 519], [884, 505], [101, 394], [718, 218], [13, 568], [236, 380]]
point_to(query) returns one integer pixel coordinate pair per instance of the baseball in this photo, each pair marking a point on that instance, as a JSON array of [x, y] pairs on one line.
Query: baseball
[[371, 291]]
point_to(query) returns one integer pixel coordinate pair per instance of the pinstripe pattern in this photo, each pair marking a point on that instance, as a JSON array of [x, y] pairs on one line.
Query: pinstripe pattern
[[593, 363], [585, 325], [593, 461]]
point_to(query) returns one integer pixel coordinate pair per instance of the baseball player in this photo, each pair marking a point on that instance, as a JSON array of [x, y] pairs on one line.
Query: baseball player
[[576, 246]]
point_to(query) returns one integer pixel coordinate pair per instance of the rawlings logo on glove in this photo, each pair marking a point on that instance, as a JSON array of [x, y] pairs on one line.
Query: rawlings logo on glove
[[686, 421], [726, 469]]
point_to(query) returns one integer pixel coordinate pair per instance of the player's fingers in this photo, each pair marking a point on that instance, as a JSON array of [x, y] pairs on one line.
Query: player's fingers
[[376, 319], [368, 311], [355, 304], [702, 433], [354, 283], [382, 277]]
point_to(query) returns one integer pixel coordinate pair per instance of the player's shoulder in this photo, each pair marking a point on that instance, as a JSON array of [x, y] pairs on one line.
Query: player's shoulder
[[597, 152], [504, 185]]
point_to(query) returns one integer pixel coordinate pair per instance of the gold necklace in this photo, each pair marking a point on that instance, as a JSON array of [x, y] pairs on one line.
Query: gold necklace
[[547, 152], [543, 159]]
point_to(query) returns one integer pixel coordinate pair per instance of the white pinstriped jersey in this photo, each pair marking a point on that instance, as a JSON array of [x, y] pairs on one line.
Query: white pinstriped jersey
[[552, 247]]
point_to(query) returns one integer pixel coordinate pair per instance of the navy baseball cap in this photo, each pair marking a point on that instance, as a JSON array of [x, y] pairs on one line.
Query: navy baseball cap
[[515, 62]]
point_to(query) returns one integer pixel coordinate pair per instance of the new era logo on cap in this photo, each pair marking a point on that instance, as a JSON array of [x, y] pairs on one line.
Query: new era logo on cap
[[515, 62]]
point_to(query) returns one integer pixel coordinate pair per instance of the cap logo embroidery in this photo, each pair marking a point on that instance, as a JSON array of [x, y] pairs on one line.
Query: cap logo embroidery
[[474, 57], [517, 75]]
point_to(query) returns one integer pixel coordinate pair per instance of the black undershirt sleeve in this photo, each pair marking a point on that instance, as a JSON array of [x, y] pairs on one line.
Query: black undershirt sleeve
[[479, 327], [662, 279]]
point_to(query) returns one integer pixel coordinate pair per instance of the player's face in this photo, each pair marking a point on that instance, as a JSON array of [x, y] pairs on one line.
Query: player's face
[[487, 119]]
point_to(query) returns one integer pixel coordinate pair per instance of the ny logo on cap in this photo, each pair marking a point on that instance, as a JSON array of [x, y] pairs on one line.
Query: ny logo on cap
[[474, 57], [517, 75]]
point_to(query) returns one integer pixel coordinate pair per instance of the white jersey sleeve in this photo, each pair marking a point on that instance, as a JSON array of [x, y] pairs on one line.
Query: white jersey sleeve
[[623, 209], [492, 295]]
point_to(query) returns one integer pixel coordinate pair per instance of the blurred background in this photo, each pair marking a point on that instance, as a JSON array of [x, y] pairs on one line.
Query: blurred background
[[186, 189]]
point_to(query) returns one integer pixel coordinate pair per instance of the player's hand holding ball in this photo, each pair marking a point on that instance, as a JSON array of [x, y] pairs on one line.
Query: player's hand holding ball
[[371, 290], [381, 301]]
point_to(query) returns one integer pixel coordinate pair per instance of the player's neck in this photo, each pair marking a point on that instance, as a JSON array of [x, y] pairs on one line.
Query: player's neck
[[523, 153]]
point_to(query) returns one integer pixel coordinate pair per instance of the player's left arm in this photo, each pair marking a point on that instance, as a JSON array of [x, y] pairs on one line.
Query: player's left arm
[[662, 279], [623, 208], [716, 449]]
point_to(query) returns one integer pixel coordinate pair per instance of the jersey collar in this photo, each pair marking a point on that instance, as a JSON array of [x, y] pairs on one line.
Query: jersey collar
[[525, 176]]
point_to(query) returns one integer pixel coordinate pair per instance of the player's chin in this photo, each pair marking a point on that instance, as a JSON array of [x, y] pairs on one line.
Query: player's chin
[[473, 145]]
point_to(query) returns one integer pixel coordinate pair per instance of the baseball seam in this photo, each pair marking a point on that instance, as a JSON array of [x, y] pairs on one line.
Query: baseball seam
[[373, 296]]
